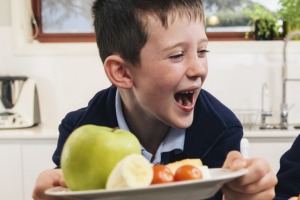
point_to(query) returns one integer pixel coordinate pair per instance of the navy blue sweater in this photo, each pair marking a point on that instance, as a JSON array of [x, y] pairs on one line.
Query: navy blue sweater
[[289, 172], [214, 132]]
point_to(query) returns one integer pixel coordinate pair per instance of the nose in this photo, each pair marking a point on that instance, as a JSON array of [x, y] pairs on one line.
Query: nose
[[197, 67]]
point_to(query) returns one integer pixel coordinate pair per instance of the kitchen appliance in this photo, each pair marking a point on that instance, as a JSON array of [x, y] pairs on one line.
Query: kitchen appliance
[[19, 106]]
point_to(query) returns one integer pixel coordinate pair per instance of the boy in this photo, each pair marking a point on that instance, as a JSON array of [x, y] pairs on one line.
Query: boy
[[154, 54]]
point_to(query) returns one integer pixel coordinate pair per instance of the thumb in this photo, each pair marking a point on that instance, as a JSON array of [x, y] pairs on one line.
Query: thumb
[[234, 161]]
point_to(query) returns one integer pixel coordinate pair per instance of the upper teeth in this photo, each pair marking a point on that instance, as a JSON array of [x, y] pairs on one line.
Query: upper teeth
[[188, 92]]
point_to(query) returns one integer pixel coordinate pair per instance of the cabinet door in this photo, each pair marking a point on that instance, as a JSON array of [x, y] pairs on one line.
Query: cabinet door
[[10, 171], [270, 150], [37, 157]]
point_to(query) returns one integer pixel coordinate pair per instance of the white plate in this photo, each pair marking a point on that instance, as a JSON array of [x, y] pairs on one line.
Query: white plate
[[187, 190]]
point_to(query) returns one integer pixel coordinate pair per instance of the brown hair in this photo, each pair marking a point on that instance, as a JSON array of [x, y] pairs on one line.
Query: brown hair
[[120, 24]]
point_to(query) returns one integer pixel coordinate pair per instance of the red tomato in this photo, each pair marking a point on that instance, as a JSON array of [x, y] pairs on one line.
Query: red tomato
[[187, 172], [162, 174]]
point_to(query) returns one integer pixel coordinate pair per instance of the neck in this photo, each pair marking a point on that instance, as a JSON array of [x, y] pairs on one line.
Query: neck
[[149, 137], [149, 131]]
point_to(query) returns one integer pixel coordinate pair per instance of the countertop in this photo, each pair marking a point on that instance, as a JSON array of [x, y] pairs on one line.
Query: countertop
[[36, 132], [271, 133], [43, 132]]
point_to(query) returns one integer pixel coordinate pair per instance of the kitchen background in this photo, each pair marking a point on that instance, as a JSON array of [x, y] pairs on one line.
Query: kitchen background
[[68, 75]]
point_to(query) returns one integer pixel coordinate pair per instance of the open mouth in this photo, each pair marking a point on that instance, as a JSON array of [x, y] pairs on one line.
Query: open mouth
[[185, 98]]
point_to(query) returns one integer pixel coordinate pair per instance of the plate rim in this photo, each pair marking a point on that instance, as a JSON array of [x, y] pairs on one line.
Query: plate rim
[[224, 178]]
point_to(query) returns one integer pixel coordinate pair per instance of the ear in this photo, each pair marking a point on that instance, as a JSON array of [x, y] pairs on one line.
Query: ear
[[117, 72]]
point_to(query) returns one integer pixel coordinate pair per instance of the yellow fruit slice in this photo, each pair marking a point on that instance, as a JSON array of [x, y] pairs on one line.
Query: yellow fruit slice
[[131, 172], [205, 172], [191, 161]]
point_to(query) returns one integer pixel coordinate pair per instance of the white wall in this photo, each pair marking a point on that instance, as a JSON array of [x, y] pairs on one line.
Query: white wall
[[64, 82], [68, 75], [239, 69]]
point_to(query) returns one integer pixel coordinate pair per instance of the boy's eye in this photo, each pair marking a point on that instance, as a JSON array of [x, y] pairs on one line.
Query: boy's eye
[[202, 53], [176, 56]]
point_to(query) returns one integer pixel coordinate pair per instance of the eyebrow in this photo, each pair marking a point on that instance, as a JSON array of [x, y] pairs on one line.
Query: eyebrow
[[179, 44]]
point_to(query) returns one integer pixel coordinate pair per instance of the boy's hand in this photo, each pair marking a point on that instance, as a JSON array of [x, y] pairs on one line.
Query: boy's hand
[[293, 198], [258, 183], [48, 179]]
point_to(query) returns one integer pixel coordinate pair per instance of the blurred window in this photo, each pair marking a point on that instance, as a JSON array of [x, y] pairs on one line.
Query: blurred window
[[71, 20]]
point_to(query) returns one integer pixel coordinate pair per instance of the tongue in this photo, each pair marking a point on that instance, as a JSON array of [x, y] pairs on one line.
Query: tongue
[[184, 100]]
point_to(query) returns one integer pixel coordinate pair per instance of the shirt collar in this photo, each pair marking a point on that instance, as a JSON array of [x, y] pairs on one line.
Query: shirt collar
[[173, 141]]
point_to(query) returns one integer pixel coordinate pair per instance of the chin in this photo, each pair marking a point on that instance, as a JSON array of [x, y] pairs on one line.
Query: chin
[[184, 123]]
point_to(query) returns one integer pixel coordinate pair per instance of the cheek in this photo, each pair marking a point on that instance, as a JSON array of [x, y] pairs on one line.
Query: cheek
[[167, 84], [170, 76], [161, 87], [206, 65]]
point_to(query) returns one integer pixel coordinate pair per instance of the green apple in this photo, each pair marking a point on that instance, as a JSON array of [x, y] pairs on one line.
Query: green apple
[[91, 152]]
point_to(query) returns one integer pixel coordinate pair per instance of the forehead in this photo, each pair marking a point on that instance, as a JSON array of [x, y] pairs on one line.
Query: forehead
[[180, 31]]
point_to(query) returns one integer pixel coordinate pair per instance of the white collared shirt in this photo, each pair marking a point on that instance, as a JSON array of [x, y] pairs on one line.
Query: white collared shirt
[[173, 141]]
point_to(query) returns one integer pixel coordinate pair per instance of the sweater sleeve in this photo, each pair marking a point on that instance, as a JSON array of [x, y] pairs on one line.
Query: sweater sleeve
[[228, 141], [289, 173], [100, 111], [66, 127], [219, 128]]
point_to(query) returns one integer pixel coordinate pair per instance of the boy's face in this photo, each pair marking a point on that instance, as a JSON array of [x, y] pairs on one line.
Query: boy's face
[[173, 67]]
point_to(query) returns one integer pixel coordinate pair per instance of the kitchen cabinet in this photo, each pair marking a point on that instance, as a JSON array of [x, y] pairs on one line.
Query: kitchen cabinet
[[270, 150], [23, 157], [270, 144], [36, 157], [26, 153], [11, 172]]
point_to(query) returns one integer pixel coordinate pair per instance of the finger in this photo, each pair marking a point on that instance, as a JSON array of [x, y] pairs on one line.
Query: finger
[[230, 194], [60, 180], [268, 181], [42, 184], [257, 170], [234, 161], [46, 180], [293, 198]]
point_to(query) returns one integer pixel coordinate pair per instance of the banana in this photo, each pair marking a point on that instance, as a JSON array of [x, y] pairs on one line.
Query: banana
[[205, 172], [132, 172]]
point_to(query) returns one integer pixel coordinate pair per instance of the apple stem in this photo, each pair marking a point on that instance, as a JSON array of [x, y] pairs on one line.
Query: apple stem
[[115, 129]]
